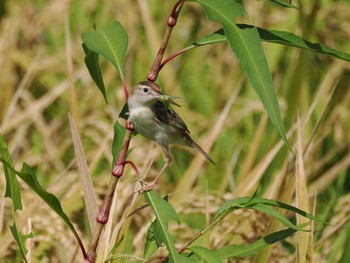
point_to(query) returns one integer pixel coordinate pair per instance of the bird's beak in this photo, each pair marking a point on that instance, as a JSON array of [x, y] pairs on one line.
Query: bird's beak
[[170, 99]]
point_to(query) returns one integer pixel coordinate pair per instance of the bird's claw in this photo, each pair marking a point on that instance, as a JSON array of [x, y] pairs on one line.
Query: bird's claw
[[145, 186]]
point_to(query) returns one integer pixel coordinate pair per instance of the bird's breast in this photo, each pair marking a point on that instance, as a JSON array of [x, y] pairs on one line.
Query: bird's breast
[[143, 120]]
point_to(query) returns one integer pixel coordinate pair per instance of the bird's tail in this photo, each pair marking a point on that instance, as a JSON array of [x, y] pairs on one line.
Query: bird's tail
[[195, 145]]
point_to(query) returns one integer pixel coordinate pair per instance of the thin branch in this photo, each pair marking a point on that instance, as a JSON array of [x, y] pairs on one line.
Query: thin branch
[[172, 56], [154, 71], [103, 214]]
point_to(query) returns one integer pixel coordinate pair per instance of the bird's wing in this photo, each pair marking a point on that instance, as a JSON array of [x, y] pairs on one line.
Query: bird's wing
[[168, 116]]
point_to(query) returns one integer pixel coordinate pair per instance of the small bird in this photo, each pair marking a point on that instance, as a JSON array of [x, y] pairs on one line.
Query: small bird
[[152, 117]]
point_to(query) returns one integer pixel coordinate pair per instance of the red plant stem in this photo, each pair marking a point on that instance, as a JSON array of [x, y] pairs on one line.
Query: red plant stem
[[126, 93], [133, 167], [154, 71], [172, 56], [103, 214], [118, 168]]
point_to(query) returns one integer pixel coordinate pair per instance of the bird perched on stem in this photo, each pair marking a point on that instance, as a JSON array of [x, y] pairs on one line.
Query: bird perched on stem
[[151, 116]]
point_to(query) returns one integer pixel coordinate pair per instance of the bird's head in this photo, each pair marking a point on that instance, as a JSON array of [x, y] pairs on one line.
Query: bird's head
[[147, 92]]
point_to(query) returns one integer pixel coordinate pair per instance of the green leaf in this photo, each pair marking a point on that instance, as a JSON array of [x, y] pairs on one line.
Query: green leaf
[[274, 213], [27, 175], [92, 63], [205, 255], [20, 239], [230, 206], [251, 249], [110, 42], [247, 46], [164, 214], [259, 204], [12, 187], [274, 203], [276, 37], [152, 244], [217, 9], [284, 4], [119, 133]]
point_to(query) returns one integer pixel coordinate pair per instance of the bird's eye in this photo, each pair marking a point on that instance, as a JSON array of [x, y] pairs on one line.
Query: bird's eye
[[145, 90]]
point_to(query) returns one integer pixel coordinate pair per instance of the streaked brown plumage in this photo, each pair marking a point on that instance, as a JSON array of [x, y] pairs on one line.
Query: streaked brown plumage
[[152, 118]]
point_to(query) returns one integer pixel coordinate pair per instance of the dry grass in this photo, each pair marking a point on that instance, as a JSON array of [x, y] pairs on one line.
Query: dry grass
[[43, 77]]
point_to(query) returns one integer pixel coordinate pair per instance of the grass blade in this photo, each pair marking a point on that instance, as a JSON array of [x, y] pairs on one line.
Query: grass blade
[[88, 189], [251, 249], [276, 37]]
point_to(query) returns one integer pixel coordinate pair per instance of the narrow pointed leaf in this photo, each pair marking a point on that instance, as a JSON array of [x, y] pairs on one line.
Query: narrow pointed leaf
[[90, 199], [277, 37], [12, 187], [164, 214], [27, 175], [92, 63], [247, 202], [274, 213], [20, 239], [247, 46], [110, 42], [252, 249], [205, 255]]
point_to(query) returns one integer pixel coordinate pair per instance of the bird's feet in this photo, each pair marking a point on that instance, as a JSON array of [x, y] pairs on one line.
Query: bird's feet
[[146, 187]]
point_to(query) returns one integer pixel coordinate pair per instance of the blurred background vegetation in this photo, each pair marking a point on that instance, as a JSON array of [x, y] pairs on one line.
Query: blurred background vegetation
[[43, 77]]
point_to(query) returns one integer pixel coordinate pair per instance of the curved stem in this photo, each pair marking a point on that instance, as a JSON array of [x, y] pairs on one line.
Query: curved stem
[[154, 71], [172, 56]]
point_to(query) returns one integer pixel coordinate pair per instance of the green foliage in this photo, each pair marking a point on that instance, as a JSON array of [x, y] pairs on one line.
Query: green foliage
[[247, 46], [20, 239], [205, 255], [252, 249], [92, 63], [277, 37], [47, 39], [12, 187], [260, 204], [158, 230], [164, 214], [27, 175], [110, 42], [14, 193]]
